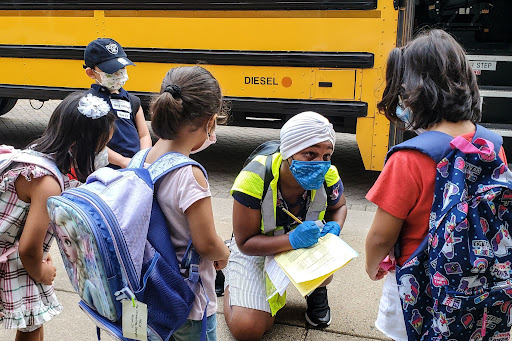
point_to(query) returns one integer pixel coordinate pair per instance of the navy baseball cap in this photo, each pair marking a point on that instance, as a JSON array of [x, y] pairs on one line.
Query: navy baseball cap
[[106, 54]]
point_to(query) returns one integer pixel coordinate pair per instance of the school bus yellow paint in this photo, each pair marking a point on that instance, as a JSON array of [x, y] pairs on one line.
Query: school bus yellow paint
[[333, 31]]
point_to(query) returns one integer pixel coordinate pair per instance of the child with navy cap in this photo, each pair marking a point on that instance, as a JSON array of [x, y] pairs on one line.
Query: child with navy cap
[[105, 62]]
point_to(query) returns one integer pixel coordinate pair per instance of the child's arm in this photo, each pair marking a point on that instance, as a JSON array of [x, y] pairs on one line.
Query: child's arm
[[380, 240], [117, 159], [202, 226], [37, 192], [142, 128]]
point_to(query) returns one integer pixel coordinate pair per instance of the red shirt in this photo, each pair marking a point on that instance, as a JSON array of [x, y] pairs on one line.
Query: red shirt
[[405, 189]]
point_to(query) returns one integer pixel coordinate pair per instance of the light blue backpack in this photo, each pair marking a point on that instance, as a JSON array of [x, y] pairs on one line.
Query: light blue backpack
[[116, 245]]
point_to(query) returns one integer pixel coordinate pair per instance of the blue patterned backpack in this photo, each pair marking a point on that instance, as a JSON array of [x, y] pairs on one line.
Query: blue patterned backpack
[[457, 285]]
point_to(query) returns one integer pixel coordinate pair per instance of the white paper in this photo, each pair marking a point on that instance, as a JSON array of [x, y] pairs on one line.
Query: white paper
[[276, 275], [135, 320]]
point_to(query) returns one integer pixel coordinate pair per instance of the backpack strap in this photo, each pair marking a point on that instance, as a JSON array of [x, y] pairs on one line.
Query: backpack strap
[[169, 162], [8, 155], [486, 134], [437, 144], [432, 143], [138, 159]]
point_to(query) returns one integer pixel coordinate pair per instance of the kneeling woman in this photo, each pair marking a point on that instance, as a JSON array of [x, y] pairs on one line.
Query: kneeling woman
[[303, 182]]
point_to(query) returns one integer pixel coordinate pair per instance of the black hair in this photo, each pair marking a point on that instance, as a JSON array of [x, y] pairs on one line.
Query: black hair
[[189, 95], [434, 79], [73, 139]]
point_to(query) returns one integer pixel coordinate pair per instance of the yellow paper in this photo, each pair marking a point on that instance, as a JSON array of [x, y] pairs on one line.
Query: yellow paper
[[305, 288], [309, 267]]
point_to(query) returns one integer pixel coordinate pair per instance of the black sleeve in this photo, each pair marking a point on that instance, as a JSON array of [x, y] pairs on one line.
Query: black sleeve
[[247, 200], [135, 103]]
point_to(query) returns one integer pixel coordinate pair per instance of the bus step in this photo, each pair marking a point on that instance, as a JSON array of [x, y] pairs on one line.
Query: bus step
[[496, 92], [504, 130]]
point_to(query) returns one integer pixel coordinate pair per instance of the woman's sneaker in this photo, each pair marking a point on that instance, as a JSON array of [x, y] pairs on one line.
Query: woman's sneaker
[[219, 283], [318, 313], [219, 278]]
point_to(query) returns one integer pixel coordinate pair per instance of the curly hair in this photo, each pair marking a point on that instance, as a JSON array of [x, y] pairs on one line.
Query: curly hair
[[434, 79]]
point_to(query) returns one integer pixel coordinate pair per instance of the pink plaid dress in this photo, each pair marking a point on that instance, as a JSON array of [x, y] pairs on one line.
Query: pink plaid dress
[[24, 304]]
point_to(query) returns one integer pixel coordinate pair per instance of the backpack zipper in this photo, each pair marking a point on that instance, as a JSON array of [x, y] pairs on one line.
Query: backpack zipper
[[115, 232], [101, 241]]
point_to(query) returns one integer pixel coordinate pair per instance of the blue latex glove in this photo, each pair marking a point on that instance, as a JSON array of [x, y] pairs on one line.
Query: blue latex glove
[[304, 235], [331, 227]]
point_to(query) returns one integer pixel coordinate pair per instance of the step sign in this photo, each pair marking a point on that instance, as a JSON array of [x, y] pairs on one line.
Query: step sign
[[483, 65]]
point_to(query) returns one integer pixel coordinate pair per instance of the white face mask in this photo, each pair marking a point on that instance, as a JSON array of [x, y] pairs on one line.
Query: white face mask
[[101, 159], [113, 81], [210, 139]]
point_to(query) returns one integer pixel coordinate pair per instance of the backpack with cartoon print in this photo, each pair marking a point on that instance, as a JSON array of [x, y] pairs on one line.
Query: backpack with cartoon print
[[457, 285]]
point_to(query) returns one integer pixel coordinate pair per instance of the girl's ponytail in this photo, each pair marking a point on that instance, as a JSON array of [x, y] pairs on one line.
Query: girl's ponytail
[[166, 115]]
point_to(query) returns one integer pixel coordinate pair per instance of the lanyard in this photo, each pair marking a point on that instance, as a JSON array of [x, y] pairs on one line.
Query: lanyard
[[281, 203]]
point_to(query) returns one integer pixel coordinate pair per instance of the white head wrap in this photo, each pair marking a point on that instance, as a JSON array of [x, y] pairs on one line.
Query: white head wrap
[[304, 130]]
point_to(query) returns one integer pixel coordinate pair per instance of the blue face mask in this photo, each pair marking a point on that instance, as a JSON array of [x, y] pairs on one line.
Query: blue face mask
[[405, 116], [310, 174]]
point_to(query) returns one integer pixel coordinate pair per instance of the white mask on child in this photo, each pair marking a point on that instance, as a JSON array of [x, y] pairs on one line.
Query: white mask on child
[[101, 159], [210, 139], [113, 81]]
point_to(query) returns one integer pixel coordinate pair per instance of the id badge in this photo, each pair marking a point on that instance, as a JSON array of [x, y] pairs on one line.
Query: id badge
[[121, 105], [135, 320], [122, 114]]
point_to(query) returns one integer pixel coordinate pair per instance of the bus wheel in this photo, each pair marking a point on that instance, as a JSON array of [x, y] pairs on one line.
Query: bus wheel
[[6, 104]]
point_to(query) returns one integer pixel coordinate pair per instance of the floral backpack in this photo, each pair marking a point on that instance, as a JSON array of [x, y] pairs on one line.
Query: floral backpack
[[457, 285]]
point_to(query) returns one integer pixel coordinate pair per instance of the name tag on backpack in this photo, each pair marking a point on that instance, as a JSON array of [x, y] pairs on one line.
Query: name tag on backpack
[[135, 320]]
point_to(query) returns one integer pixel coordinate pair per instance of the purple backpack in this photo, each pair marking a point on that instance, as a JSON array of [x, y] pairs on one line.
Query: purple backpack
[[115, 244]]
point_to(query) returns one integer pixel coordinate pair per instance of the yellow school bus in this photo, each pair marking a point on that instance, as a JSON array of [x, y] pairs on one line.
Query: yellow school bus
[[273, 58]]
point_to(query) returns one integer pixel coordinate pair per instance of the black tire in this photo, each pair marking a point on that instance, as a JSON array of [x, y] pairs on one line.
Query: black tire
[[6, 104]]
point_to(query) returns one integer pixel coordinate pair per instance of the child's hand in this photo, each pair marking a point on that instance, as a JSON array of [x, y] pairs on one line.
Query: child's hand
[[376, 274], [220, 264], [48, 272]]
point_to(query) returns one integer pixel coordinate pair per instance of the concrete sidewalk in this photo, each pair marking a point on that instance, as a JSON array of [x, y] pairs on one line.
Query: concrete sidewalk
[[353, 297]]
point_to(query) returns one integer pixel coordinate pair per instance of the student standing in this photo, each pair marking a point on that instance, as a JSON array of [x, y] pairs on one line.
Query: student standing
[[105, 62], [429, 86], [184, 117], [78, 130]]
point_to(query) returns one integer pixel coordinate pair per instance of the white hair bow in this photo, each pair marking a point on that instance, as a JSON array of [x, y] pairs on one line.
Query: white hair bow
[[93, 107]]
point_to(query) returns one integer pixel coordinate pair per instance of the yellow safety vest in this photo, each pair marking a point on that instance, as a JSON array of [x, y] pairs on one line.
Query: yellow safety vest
[[251, 182]]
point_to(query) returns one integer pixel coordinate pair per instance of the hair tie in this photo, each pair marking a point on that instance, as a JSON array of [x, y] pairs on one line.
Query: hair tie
[[174, 90], [93, 107]]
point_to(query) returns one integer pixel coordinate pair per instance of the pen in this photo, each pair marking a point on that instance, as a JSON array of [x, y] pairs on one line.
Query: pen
[[291, 215]]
